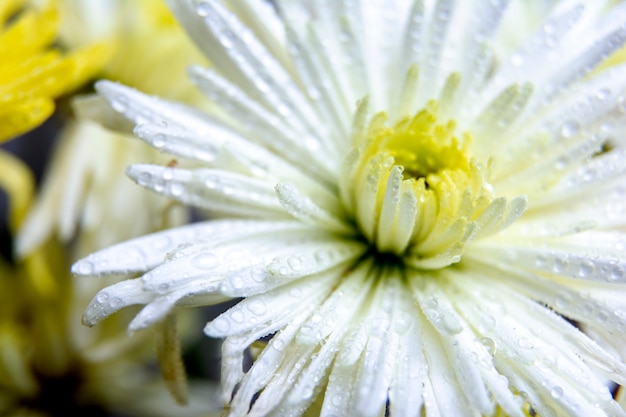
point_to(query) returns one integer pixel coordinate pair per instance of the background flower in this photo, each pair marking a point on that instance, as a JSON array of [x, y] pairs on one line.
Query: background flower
[[51, 364]]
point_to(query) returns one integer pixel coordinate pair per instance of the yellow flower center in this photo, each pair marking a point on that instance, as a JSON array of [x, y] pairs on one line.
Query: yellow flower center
[[414, 190]]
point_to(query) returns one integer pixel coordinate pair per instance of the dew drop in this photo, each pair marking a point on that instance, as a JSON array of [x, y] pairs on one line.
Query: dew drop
[[569, 129], [603, 94], [203, 9], [296, 292], [116, 302], [102, 297], [227, 39], [237, 316], [144, 179], [161, 242], [257, 307], [487, 323], [158, 141], [278, 344], [120, 103], [560, 264], [489, 344], [541, 260], [221, 324], [167, 174], [237, 282], [586, 268], [211, 182], [176, 189], [85, 268], [563, 300], [524, 342], [206, 261], [294, 263], [556, 392], [617, 273]]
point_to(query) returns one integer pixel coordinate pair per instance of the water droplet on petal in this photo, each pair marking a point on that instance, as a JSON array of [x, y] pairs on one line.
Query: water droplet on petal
[[525, 342], [144, 178], [102, 297], [203, 9], [120, 103], [617, 273], [257, 307], [586, 268], [206, 261], [85, 267], [489, 344], [556, 392], [237, 316], [569, 129], [158, 141], [294, 263]]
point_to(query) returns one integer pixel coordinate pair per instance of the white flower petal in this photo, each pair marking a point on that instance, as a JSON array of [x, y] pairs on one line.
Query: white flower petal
[[292, 262], [142, 108], [211, 189], [114, 298], [307, 211], [270, 310], [261, 124]]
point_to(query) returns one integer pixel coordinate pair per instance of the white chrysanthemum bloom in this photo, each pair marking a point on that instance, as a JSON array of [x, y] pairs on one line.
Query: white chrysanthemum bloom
[[412, 211]]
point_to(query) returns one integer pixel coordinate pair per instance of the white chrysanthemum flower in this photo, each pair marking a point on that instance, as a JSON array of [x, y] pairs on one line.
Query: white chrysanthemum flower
[[413, 210]]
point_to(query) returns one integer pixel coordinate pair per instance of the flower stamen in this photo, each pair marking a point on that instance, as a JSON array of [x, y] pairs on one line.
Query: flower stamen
[[415, 190]]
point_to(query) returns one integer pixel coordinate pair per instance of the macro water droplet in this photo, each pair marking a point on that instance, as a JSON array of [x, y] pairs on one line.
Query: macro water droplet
[[206, 261], [278, 344], [85, 267], [237, 316], [102, 297], [586, 268], [563, 300], [560, 265], [211, 182], [161, 242], [116, 302], [525, 343], [167, 174], [296, 292], [203, 9], [221, 324], [541, 260], [120, 103], [556, 392], [603, 94], [294, 263], [489, 344], [227, 38], [570, 128], [158, 140], [144, 179], [617, 273], [257, 307]]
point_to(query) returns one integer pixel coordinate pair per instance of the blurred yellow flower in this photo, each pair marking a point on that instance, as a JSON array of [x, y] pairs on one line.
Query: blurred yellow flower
[[33, 73], [49, 363], [86, 194]]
